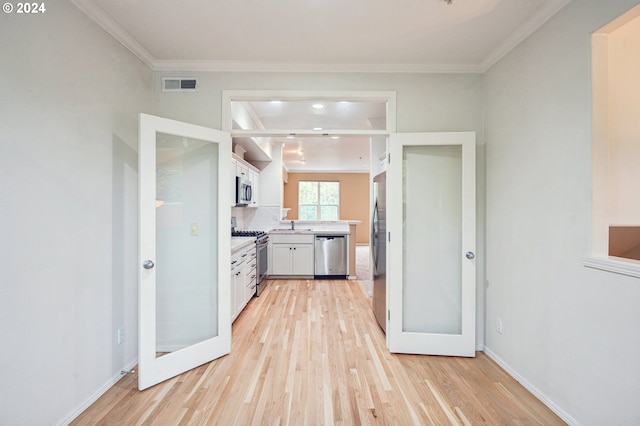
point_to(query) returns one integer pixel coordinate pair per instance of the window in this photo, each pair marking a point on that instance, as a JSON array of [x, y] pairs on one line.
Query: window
[[318, 200], [616, 99]]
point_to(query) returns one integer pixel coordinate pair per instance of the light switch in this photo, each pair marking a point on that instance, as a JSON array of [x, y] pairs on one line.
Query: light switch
[[195, 229]]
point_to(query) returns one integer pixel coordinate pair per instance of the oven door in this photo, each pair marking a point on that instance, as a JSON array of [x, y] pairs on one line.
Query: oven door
[[261, 268]]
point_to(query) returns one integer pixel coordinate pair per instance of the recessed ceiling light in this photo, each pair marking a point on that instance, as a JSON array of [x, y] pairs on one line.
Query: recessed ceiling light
[[318, 106], [317, 128], [290, 137], [335, 137]]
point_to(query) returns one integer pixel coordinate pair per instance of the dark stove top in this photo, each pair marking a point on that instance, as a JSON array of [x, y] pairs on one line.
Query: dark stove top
[[247, 233]]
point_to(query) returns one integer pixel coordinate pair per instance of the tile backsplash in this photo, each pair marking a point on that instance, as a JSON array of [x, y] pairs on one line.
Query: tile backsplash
[[262, 218]]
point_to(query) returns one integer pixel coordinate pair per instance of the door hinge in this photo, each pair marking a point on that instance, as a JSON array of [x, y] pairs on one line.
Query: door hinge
[[389, 315], [389, 236], [388, 158]]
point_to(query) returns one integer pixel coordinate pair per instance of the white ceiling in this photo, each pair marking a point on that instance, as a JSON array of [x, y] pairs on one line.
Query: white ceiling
[[291, 35], [320, 35], [332, 152]]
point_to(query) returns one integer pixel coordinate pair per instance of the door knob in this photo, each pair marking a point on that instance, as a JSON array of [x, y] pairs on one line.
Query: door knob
[[470, 255], [148, 264]]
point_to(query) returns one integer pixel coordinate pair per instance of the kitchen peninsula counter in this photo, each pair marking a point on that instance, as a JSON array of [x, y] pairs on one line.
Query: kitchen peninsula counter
[[341, 227]]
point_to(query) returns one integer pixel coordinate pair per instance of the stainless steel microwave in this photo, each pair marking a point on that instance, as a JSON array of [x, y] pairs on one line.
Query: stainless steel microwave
[[243, 191]]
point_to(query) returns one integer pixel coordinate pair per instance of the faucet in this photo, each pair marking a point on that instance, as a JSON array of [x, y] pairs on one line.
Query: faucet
[[293, 225]]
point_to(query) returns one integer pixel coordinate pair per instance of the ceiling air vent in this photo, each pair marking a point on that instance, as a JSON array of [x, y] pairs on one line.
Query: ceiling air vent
[[178, 84]]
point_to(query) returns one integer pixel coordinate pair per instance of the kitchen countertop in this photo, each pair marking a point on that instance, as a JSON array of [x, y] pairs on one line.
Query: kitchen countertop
[[314, 228], [310, 231], [340, 227], [238, 243]]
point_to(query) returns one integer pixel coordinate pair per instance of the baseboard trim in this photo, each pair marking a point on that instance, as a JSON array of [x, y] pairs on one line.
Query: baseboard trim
[[531, 388], [97, 394]]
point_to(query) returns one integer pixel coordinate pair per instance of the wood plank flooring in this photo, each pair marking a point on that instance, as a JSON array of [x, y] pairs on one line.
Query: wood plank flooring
[[309, 352]]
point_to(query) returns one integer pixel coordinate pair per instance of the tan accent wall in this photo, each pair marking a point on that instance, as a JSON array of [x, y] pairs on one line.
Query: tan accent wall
[[354, 197], [624, 241]]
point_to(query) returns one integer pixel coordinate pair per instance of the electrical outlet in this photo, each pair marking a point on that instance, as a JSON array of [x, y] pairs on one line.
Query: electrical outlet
[[499, 325], [120, 335]]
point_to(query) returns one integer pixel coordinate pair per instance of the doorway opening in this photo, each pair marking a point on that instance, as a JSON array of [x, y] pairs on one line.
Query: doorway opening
[[310, 136]]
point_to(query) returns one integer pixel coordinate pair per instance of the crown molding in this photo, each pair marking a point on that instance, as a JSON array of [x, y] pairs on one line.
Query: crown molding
[[100, 17], [246, 66], [522, 32]]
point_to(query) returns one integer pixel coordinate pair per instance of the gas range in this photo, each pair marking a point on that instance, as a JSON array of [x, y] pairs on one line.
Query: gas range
[[248, 233], [262, 255]]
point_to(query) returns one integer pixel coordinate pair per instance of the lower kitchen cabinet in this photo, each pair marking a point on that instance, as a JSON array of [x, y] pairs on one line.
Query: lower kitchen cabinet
[[292, 255], [243, 279]]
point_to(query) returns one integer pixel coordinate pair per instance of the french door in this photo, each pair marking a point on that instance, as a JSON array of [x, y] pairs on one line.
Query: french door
[[184, 283], [431, 285]]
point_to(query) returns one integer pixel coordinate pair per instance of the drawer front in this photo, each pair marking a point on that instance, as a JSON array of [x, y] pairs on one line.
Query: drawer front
[[292, 238]]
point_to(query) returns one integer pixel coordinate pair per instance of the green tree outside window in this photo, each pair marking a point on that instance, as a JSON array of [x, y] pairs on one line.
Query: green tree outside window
[[318, 200]]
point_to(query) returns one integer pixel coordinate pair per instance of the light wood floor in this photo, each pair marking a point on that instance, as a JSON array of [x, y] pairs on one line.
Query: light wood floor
[[309, 352]]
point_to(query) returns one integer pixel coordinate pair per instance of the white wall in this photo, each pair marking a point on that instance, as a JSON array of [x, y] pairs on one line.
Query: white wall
[[69, 99], [571, 332]]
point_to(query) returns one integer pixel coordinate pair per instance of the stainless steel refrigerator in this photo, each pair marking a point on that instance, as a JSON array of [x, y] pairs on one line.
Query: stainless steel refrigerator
[[379, 249]]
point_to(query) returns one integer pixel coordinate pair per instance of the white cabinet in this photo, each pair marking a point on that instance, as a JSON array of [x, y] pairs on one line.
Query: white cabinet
[[254, 177], [302, 259], [243, 278], [237, 281], [250, 275], [292, 254], [242, 169]]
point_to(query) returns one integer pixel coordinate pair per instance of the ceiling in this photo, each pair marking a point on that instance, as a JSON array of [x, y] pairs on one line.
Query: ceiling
[[333, 149], [320, 35]]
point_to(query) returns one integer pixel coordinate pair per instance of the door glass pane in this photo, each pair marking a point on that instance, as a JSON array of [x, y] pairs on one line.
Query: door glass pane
[[310, 114], [186, 242], [432, 227]]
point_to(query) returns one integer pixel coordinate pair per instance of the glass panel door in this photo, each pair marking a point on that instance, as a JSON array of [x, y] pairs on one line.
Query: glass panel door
[[184, 316], [431, 219]]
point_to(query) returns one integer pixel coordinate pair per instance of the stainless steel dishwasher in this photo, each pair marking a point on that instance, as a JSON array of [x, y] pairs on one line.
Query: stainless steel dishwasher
[[331, 255]]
